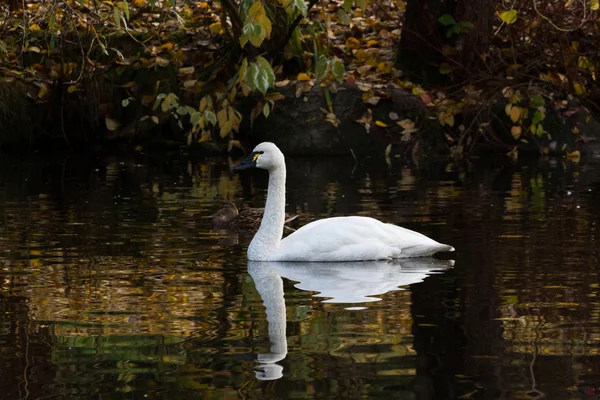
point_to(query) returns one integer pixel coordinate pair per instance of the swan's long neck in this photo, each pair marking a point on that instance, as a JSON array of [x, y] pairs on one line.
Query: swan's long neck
[[270, 232]]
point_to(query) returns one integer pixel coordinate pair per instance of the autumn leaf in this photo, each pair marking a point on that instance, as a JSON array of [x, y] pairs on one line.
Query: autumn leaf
[[516, 132], [509, 16], [302, 77], [352, 43], [574, 156], [111, 124], [216, 28], [445, 68], [384, 67], [514, 114], [381, 124]]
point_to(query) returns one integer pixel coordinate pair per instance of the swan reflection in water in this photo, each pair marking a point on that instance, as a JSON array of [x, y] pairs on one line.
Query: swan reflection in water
[[338, 282]]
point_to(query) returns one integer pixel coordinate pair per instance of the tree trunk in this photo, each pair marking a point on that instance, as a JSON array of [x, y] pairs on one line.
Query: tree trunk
[[423, 36], [474, 43]]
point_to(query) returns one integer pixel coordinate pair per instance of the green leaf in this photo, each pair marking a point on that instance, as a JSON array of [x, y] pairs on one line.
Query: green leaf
[[126, 9], [266, 110], [252, 76], [445, 68], [321, 68], [509, 16], [117, 15], [348, 4], [211, 117], [125, 102], [301, 6], [252, 33], [537, 101], [195, 118], [447, 19], [265, 66], [540, 130], [181, 110], [262, 80], [338, 69], [361, 3]]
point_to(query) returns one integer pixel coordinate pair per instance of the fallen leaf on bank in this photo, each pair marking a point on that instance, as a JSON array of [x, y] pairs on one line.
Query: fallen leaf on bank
[[111, 124]]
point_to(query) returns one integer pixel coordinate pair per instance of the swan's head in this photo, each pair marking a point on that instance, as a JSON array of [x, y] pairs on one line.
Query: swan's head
[[265, 155]]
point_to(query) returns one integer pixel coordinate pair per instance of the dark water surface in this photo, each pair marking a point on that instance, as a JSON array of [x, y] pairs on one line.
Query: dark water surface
[[113, 284]]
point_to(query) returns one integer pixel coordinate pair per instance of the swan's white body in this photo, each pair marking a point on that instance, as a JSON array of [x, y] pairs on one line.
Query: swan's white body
[[329, 239]]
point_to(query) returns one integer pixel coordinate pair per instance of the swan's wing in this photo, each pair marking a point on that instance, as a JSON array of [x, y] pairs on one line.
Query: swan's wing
[[354, 238]]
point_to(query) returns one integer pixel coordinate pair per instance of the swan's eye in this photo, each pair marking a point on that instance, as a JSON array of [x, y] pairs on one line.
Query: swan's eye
[[258, 153]]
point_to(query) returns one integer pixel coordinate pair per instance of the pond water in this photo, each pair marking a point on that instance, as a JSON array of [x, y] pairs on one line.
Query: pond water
[[113, 283]]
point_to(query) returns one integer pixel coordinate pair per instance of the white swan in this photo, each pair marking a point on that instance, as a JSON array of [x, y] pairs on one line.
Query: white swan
[[329, 239]]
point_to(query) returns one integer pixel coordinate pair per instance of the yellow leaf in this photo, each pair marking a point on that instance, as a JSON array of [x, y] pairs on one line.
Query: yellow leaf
[[446, 119], [215, 28], [147, 99], [35, 28], [514, 114], [43, 92], [384, 67], [186, 70], [352, 43], [445, 68], [509, 16], [417, 91], [71, 88], [507, 108], [579, 89], [111, 124], [265, 23], [382, 124], [594, 5], [516, 132], [574, 156], [372, 43], [406, 124], [226, 129], [361, 55], [302, 77], [222, 117]]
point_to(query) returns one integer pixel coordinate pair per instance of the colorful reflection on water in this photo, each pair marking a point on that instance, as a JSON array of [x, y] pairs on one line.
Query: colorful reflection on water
[[113, 283]]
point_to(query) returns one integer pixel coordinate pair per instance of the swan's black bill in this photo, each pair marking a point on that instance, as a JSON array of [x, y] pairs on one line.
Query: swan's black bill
[[249, 162]]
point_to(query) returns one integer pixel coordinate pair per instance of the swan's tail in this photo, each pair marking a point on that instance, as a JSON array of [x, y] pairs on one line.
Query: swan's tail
[[425, 250]]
